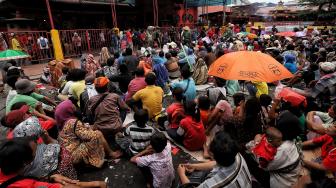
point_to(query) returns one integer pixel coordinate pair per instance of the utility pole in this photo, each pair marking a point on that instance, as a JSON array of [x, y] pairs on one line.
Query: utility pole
[[50, 15], [224, 9]]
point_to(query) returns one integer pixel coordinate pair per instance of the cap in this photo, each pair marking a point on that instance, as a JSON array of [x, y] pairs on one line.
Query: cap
[[327, 66], [24, 86], [101, 82]]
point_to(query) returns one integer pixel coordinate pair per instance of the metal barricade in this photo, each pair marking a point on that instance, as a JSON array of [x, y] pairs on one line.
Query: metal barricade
[[40, 49]]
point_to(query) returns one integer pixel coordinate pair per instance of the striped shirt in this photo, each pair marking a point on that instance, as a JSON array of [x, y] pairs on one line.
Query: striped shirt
[[140, 137], [235, 176]]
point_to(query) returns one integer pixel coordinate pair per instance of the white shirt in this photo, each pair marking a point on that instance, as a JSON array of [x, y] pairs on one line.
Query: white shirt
[[40, 44]]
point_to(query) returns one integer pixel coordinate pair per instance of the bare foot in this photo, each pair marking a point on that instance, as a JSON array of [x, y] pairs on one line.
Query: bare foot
[[116, 154]]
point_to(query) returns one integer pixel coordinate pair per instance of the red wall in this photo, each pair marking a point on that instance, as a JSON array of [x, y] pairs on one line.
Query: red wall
[[190, 11]]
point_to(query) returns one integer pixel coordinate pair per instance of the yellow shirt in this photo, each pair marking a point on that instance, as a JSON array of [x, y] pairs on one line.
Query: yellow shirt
[[151, 98], [15, 44], [77, 88], [262, 88]]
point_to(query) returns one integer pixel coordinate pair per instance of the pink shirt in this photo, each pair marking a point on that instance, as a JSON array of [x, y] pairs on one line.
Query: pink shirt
[[135, 85]]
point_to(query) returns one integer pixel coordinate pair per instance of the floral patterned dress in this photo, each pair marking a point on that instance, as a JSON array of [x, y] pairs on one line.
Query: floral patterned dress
[[83, 143]]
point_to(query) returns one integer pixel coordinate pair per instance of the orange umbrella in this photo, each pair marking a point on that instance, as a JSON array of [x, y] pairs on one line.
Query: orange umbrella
[[251, 36], [286, 34], [248, 65]]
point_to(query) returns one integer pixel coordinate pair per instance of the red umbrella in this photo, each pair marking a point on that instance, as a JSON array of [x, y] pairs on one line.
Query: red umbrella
[[286, 34]]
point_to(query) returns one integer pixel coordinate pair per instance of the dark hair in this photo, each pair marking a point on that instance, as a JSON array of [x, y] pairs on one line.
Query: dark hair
[[289, 125], [65, 70], [178, 93], [237, 97], [128, 51], [17, 105], [220, 82], [12, 62], [203, 102], [220, 52], [102, 89], [77, 74], [168, 55], [141, 117], [11, 80], [123, 68], [13, 72], [224, 149], [185, 72], [110, 61], [139, 72], [265, 100], [14, 155], [290, 47], [158, 142], [116, 55], [192, 110], [150, 79], [209, 49], [161, 54], [174, 53]]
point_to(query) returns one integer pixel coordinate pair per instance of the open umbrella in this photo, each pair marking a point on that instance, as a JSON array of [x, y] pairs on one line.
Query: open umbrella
[[286, 34], [247, 65], [12, 54]]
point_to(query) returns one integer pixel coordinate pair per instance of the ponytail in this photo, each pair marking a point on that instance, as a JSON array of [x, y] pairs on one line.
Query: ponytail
[[191, 109]]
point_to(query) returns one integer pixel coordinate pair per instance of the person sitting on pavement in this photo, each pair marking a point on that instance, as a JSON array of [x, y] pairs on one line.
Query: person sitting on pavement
[[187, 84], [228, 167], [78, 85], [175, 112], [25, 93], [89, 92], [123, 79], [105, 108], [319, 122], [150, 97], [136, 84], [156, 162]]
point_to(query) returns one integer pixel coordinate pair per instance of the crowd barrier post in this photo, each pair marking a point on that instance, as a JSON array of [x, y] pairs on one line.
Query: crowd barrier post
[[57, 45]]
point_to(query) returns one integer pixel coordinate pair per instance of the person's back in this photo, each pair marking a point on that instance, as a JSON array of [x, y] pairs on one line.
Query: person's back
[[187, 84], [151, 96], [136, 84], [130, 60], [78, 87], [123, 79]]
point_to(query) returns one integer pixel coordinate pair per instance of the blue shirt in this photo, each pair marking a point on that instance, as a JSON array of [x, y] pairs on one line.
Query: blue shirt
[[190, 93]]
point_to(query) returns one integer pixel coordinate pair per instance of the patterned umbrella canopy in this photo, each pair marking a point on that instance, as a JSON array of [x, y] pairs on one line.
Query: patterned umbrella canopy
[[12, 54]]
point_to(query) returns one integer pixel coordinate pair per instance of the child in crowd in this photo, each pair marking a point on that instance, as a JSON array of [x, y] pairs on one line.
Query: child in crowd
[[204, 107], [157, 157], [264, 147], [175, 111], [238, 98], [138, 134]]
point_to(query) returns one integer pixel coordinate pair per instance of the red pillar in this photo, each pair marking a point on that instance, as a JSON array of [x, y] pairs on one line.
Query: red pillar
[[50, 15]]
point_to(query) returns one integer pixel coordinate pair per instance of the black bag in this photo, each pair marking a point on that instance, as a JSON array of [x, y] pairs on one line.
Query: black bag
[[90, 116]]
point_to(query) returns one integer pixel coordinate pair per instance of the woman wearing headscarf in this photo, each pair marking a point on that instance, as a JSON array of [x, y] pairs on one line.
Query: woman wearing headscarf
[[91, 65], [200, 70], [50, 157], [86, 145]]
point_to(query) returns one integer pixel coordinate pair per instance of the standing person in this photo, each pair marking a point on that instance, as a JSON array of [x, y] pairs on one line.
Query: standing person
[[123, 79], [129, 38], [3, 43], [187, 84], [77, 44], [186, 36], [131, 61], [158, 160], [15, 43], [105, 108], [44, 46]]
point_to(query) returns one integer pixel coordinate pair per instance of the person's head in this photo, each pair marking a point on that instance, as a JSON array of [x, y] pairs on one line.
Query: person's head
[[289, 125], [101, 84], [139, 72], [224, 149], [274, 136], [110, 61], [290, 47], [220, 82], [191, 109], [11, 80], [141, 117], [89, 79], [116, 55], [327, 68], [332, 111], [265, 100], [203, 102], [158, 142], [185, 72], [129, 51], [18, 113], [168, 55], [123, 69], [15, 154], [65, 70], [25, 87], [289, 58], [161, 54], [220, 52], [252, 107], [150, 78], [209, 49], [178, 94], [77, 74], [237, 98]]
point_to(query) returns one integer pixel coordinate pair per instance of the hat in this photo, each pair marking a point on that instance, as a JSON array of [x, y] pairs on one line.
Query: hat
[[15, 117], [101, 82], [327, 66], [90, 79], [24, 86]]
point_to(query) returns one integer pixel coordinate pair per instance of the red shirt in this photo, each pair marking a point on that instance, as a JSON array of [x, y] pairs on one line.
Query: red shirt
[[129, 37], [204, 116], [194, 134], [135, 85], [27, 183], [175, 113], [328, 151]]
